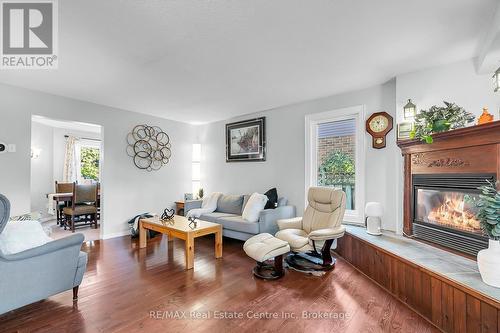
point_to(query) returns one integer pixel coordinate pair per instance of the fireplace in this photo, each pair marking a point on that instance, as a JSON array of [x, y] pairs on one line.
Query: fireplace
[[440, 186], [444, 210]]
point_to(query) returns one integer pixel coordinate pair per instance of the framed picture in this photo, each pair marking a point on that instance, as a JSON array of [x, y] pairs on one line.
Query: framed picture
[[404, 130], [246, 140]]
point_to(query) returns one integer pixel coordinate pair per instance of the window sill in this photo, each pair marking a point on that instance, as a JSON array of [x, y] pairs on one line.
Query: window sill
[[355, 219]]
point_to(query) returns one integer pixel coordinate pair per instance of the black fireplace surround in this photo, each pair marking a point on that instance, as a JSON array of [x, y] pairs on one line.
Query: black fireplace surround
[[443, 207]]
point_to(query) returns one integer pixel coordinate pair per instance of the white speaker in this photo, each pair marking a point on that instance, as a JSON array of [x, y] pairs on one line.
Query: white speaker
[[374, 211]]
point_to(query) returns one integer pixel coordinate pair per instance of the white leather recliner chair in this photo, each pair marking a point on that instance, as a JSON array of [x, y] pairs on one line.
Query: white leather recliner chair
[[318, 229]]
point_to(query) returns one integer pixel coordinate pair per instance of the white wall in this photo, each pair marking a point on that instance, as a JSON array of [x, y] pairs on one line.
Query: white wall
[[285, 166], [457, 82], [126, 189], [42, 167]]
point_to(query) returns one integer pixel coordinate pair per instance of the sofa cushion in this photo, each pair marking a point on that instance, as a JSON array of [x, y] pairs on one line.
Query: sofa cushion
[[283, 201], [245, 200], [297, 238], [237, 223], [213, 217], [231, 204]]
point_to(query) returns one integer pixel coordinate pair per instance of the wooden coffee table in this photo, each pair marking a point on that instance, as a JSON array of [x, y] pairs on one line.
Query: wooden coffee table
[[179, 227]]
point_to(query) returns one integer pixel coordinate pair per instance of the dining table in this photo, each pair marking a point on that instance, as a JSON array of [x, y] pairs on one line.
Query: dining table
[[66, 198]]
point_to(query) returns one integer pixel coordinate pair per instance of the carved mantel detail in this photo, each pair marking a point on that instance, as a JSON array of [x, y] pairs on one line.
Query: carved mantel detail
[[449, 162], [417, 159], [446, 162]]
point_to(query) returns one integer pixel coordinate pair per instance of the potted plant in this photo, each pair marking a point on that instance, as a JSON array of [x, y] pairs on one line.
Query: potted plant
[[200, 193], [440, 119], [488, 260]]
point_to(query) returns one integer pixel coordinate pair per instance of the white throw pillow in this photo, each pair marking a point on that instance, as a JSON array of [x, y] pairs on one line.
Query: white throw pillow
[[254, 205], [20, 236]]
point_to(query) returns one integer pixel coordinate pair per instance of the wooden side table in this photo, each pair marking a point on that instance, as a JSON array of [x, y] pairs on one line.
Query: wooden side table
[[179, 208]]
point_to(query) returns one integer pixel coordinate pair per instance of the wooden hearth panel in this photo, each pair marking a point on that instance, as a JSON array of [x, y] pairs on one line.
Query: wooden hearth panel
[[464, 160], [447, 304]]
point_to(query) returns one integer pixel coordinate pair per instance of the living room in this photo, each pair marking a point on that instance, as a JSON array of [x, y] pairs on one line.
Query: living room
[[164, 79]]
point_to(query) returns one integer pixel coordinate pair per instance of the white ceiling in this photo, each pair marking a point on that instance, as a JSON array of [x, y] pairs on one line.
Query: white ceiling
[[206, 60], [71, 125]]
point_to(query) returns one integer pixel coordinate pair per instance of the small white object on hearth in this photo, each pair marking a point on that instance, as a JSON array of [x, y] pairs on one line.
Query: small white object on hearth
[[374, 211]]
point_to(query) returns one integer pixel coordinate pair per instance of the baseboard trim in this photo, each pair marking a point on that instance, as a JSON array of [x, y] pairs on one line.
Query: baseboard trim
[[116, 234]]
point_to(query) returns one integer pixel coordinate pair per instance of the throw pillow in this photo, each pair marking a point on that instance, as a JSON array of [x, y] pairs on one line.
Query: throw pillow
[[272, 195], [230, 204], [18, 237], [255, 204]]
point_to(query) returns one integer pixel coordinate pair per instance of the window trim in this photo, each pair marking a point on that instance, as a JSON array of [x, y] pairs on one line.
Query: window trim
[[311, 121]]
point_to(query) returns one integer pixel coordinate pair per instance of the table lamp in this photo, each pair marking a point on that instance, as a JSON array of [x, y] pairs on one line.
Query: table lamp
[[374, 211]]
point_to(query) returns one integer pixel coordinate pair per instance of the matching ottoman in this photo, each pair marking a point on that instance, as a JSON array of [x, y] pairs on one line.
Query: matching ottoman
[[262, 248]]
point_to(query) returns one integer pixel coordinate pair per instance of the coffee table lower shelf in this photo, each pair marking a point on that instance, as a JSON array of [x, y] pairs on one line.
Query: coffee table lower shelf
[[179, 228]]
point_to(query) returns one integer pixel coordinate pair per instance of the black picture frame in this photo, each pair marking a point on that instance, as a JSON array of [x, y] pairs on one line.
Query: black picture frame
[[246, 140]]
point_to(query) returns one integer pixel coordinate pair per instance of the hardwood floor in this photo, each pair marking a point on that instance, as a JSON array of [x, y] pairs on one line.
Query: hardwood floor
[[127, 289]]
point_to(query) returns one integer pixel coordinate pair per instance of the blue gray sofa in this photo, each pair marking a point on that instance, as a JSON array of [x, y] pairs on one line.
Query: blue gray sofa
[[229, 211], [35, 274]]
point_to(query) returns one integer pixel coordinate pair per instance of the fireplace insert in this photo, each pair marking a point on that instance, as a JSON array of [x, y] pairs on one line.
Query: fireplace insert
[[444, 210]]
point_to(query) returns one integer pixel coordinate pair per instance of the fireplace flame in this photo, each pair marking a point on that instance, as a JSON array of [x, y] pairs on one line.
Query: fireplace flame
[[452, 213]]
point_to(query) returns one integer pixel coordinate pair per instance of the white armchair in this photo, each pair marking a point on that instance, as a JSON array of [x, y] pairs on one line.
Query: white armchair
[[319, 229]]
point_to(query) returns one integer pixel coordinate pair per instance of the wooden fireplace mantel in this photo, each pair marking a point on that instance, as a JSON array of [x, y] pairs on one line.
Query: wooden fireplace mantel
[[477, 135], [474, 149]]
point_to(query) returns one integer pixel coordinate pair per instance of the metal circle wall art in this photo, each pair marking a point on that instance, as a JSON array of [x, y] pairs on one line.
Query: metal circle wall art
[[149, 147]]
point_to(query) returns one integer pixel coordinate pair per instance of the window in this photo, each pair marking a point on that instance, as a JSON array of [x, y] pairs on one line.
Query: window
[[196, 169], [90, 156], [335, 155]]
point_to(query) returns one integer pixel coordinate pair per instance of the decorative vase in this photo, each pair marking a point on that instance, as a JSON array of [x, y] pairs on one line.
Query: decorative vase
[[441, 125], [488, 261], [485, 117]]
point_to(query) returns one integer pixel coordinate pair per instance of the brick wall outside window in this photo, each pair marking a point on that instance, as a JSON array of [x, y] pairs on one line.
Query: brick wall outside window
[[330, 144]]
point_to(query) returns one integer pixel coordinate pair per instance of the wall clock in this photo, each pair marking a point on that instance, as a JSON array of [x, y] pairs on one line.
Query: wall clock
[[378, 125]]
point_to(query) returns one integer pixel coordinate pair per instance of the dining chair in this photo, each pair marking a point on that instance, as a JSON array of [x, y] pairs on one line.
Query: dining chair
[[98, 200], [62, 188], [83, 206]]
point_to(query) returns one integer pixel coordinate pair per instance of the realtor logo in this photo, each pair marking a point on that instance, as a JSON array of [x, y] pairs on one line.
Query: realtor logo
[[29, 34]]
